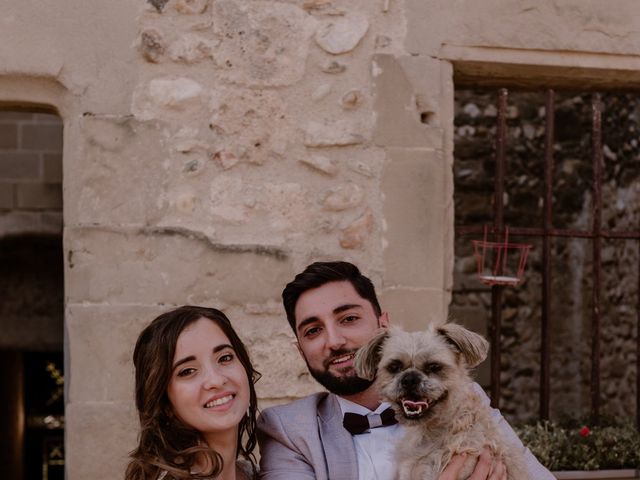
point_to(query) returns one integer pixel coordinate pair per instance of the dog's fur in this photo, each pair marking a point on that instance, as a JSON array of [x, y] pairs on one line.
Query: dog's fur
[[425, 377]]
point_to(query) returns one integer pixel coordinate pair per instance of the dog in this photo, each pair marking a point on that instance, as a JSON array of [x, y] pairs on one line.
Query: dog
[[425, 377]]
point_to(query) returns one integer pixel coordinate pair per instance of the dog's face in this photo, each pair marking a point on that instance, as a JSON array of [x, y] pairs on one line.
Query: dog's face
[[420, 372]]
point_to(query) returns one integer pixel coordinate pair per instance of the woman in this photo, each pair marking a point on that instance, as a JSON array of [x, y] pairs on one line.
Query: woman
[[195, 398]]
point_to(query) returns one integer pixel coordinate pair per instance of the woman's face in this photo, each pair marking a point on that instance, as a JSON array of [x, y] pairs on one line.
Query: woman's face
[[209, 388]]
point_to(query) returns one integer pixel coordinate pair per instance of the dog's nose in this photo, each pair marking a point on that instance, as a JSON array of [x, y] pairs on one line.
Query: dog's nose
[[410, 380]]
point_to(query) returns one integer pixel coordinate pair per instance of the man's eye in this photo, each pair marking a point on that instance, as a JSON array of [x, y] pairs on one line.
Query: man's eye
[[185, 372], [350, 318], [311, 332]]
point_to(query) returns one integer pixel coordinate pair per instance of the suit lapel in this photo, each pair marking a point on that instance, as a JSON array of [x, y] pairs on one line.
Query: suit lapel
[[339, 451]]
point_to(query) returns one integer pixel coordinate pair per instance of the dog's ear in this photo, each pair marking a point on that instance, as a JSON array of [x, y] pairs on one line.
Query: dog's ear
[[368, 356], [473, 347]]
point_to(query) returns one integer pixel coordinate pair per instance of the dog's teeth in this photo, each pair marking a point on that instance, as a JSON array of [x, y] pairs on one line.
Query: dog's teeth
[[413, 409]]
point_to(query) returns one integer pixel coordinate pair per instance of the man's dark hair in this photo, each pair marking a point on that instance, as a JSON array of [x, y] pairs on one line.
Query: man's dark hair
[[319, 273]]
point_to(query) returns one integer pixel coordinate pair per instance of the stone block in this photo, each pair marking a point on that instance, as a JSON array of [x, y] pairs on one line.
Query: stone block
[[413, 184], [19, 166], [118, 172], [100, 341], [251, 124], [8, 135], [167, 266], [52, 167], [342, 34], [263, 43], [413, 309], [98, 439], [272, 347], [399, 111], [569, 26], [168, 98], [6, 196], [39, 196], [42, 137]]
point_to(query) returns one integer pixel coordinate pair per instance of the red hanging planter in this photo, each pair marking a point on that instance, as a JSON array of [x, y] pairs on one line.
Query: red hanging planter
[[500, 263]]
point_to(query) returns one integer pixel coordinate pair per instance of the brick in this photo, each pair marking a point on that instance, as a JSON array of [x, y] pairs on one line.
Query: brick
[[19, 166], [6, 196], [39, 196], [8, 135], [47, 118], [42, 137], [21, 222], [52, 165], [8, 116]]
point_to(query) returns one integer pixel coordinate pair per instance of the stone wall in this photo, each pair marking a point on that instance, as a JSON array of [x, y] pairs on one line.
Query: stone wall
[[208, 142]]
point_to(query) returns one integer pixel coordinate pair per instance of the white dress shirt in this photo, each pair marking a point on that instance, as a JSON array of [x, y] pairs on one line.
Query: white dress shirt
[[375, 447]]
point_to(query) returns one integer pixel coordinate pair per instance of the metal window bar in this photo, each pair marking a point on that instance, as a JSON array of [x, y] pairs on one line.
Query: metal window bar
[[547, 233]]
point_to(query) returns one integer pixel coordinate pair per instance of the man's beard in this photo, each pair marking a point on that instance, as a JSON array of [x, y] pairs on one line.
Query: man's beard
[[343, 386]]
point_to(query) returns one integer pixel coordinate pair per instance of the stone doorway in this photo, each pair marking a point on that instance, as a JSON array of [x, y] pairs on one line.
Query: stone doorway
[[31, 297]]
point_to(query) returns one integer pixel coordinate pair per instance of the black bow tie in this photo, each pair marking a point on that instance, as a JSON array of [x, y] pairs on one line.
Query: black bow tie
[[357, 424]]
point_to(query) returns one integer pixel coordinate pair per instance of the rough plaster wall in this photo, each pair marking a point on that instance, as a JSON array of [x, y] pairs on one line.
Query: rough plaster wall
[[213, 148]]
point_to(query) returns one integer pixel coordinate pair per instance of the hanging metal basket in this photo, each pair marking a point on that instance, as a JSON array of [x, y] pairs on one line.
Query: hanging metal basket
[[500, 263]]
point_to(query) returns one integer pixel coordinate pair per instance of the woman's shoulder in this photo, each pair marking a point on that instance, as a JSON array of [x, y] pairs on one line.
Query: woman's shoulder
[[247, 468]]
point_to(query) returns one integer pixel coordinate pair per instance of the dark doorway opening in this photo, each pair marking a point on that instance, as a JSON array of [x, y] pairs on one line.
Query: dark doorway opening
[[31, 358]]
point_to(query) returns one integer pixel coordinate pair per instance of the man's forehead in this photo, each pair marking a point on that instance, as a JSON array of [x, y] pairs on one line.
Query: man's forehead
[[329, 295]]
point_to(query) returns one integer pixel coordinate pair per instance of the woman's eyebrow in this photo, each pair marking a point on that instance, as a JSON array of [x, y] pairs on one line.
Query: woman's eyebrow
[[183, 360], [221, 347]]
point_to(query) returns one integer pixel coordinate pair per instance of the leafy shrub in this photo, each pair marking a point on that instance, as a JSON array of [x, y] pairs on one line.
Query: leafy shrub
[[586, 445]]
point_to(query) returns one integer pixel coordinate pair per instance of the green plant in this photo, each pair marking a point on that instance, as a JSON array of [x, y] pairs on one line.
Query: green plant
[[583, 445]]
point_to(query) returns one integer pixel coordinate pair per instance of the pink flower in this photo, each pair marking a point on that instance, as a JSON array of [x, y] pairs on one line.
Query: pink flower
[[584, 431]]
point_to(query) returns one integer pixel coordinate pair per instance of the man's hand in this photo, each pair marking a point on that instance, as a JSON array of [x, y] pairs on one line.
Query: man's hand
[[486, 468]]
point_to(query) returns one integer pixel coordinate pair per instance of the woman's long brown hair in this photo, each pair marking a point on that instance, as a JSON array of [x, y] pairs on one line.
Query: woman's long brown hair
[[165, 442]]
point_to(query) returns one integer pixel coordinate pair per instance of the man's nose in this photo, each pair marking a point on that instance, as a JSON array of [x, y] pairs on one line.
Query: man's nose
[[335, 338]]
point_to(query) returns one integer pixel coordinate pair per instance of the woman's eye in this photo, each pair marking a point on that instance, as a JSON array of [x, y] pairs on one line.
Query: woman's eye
[[186, 372], [226, 358]]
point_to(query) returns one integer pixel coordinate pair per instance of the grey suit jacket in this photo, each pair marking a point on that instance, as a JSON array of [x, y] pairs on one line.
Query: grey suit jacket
[[305, 440]]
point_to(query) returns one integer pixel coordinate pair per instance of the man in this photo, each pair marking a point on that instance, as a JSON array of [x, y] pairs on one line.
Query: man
[[333, 310]]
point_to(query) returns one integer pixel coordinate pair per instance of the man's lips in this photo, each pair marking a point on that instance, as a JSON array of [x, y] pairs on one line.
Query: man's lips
[[342, 360]]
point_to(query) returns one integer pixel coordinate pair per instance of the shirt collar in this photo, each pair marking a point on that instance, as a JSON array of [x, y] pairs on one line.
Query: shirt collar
[[349, 406]]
